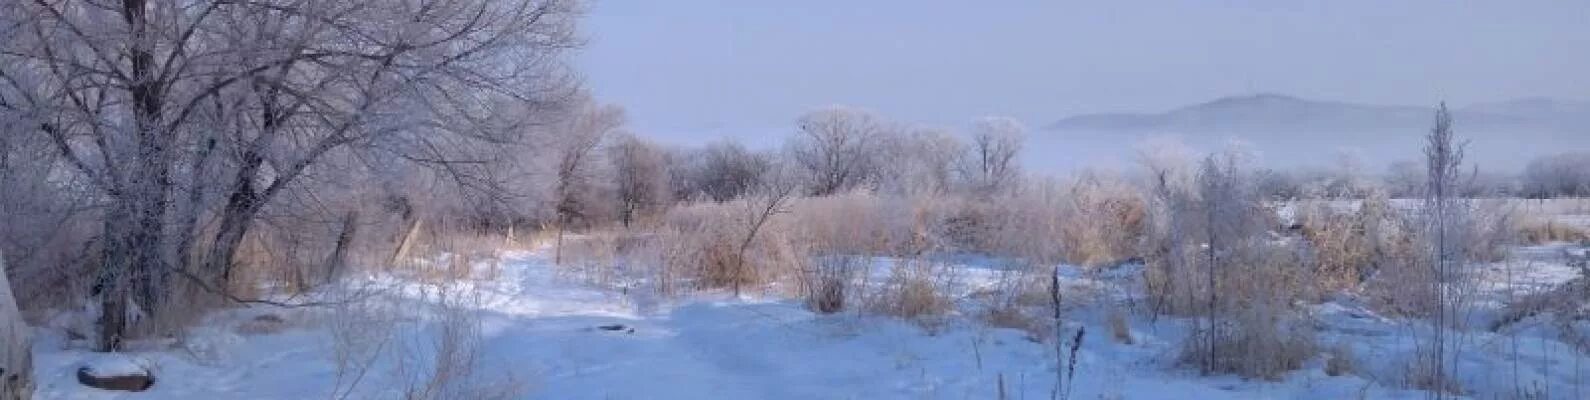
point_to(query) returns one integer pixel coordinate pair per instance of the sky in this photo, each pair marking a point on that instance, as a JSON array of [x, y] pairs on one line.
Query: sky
[[691, 71]]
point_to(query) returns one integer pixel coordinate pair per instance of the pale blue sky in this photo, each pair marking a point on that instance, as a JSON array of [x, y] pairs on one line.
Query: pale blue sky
[[695, 70]]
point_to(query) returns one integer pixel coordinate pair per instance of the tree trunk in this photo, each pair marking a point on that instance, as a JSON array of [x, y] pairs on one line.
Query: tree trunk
[[110, 285], [509, 240], [16, 350], [242, 203], [557, 248], [134, 265], [188, 225], [234, 224], [407, 241], [339, 255]]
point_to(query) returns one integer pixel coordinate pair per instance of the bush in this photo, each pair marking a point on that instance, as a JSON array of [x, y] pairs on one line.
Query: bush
[[1258, 331], [828, 284], [1342, 248], [1255, 345], [915, 290], [701, 246], [1102, 222]]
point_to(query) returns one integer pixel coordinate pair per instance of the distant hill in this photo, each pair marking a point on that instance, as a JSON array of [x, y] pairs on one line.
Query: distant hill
[[1276, 113], [1293, 130]]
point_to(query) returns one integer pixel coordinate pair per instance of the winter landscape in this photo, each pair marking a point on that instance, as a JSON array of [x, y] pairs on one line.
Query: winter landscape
[[561, 199]]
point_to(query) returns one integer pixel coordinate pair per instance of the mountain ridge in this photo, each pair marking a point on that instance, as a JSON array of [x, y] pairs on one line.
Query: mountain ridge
[[1286, 113]]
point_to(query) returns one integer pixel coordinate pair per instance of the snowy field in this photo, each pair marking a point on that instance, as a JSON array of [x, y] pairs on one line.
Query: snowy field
[[545, 334]]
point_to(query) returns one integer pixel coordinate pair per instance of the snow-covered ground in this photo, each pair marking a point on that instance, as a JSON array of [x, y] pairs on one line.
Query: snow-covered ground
[[543, 331]]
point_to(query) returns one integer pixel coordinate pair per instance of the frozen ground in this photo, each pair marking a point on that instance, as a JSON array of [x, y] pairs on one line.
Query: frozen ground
[[541, 330]]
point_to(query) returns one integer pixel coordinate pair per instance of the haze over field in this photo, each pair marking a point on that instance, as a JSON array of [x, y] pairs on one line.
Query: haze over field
[[694, 71], [1296, 132]]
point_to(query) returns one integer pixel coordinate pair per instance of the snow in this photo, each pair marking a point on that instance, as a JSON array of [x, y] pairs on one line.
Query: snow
[[540, 328]]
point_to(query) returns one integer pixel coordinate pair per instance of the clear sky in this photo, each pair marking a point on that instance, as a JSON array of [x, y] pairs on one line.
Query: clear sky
[[695, 70]]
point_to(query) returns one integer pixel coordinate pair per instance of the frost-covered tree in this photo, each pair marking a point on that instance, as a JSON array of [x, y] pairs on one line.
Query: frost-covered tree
[[837, 148], [640, 176], [992, 166], [721, 172], [139, 98], [922, 162], [1565, 174], [1168, 180], [1446, 222], [1405, 179], [576, 192], [1230, 215], [1347, 176]]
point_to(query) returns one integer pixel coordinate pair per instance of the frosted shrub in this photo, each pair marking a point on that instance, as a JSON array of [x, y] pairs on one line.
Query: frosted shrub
[[1261, 333], [1345, 244], [1102, 220], [829, 282], [434, 354], [914, 290], [710, 246], [856, 223]]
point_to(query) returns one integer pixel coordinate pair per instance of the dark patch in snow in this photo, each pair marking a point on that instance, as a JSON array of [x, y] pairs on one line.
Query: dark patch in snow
[[616, 328], [134, 382]]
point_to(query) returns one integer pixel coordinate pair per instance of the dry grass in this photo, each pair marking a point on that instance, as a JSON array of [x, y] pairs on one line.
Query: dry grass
[[1542, 230], [915, 290], [1037, 329], [1256, 329], [1344, 244], [705, 246], [1254, 346], [1566, 303], [1102, 221]]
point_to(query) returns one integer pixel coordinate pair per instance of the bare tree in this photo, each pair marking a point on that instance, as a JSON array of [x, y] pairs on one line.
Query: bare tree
[[922, 162], [1347, 176], [836, 147], [1445, 220], [1405, 179], [770, 198], [135, 94], [1170, 199], [576, 198], [992, 167], [640, 174], [1565, 174], [722, 171], [1228, 205]]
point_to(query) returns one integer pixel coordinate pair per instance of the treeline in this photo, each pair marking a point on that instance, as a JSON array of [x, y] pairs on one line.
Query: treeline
[[1562, 175], [617, 176]]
